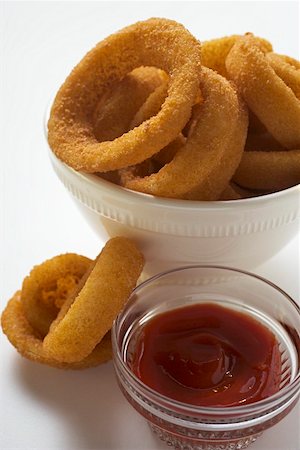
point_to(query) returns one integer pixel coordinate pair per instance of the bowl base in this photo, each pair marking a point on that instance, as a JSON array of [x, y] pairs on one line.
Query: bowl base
[[185, 443]]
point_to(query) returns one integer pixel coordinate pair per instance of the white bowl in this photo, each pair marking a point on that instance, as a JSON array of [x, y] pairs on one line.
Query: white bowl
[[171, 233]]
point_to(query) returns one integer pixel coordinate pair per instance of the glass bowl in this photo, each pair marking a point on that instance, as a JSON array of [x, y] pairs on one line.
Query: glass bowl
[[190, 427]]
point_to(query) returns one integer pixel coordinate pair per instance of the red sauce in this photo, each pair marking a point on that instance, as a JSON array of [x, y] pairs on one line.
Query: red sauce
[[208, 355]]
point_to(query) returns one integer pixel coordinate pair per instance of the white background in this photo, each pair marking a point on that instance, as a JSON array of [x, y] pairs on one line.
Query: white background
[[44, 408]]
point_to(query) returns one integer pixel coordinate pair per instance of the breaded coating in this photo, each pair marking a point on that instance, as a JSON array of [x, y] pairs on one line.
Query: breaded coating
[[118, 105], [215, 51], [48, 285], [79, 328], [30, 345], [266, 94], [271, 170], [288, 69], [262, 142], [204, 165], [151, 106], [161, 43], [230, 193]]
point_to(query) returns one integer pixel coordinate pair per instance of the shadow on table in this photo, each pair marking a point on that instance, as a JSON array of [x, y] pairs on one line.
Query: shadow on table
[[88, 402]]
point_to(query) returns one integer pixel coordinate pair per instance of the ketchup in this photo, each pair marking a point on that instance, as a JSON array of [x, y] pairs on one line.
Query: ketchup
[[208, 355]]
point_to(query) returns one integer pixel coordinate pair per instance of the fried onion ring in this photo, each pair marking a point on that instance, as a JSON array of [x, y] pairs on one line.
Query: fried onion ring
[[271, 170], [151, 106], [288, 69], [47, 287], [167, 153], [236, 192], [29, 344], [80, 326], [255, 125], [262, 142], [118, 105], [215, 51], [267, 95], [156, 42], [149, 109], [203, 167], [230, 193]]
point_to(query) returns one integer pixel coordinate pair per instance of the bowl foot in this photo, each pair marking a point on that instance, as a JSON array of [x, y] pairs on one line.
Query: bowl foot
[[185, 443]]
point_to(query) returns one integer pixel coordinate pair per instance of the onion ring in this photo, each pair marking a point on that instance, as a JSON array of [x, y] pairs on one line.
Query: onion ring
[[47, 287], [117, 106], [255, 125], [81, 326], [167, 153], [272, 101], [215, 51], [203, 167], [29, 344], [288, 69], [151, 106], [149, 109], [230, 193], [262, 142], [156, 42], [271, 170], [214, 54], [235, 192]]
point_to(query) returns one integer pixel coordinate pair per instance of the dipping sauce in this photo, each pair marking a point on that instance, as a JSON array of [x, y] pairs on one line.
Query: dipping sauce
[[208, 355]]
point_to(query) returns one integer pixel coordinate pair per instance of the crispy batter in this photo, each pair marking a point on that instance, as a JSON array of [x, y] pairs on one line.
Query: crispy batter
[[47, 287], [255, 125], [203, 167], [271, 170], [266, 94], [167, 153], [262, 142], [151, 106], [230, 193], [215, 51], [235, 192], [80, 326], [288, 69], [29, 344], [149, 109], [156, 42], [116, 109], [118, 105]]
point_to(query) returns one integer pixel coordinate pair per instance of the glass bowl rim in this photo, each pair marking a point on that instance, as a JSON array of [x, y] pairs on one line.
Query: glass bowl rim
[[246, 409]]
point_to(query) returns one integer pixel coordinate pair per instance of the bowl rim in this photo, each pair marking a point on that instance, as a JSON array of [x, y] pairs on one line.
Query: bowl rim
[[227, 411]]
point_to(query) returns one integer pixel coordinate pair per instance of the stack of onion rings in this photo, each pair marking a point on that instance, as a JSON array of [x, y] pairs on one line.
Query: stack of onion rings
[[212, 152], [143, 110], [79, 336]]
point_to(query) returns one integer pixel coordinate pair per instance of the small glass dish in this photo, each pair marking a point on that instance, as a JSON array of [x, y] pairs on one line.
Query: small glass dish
[[189, 427]]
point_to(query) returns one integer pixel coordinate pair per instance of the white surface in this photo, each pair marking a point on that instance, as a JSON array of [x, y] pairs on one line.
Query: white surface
[[44, 408]]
